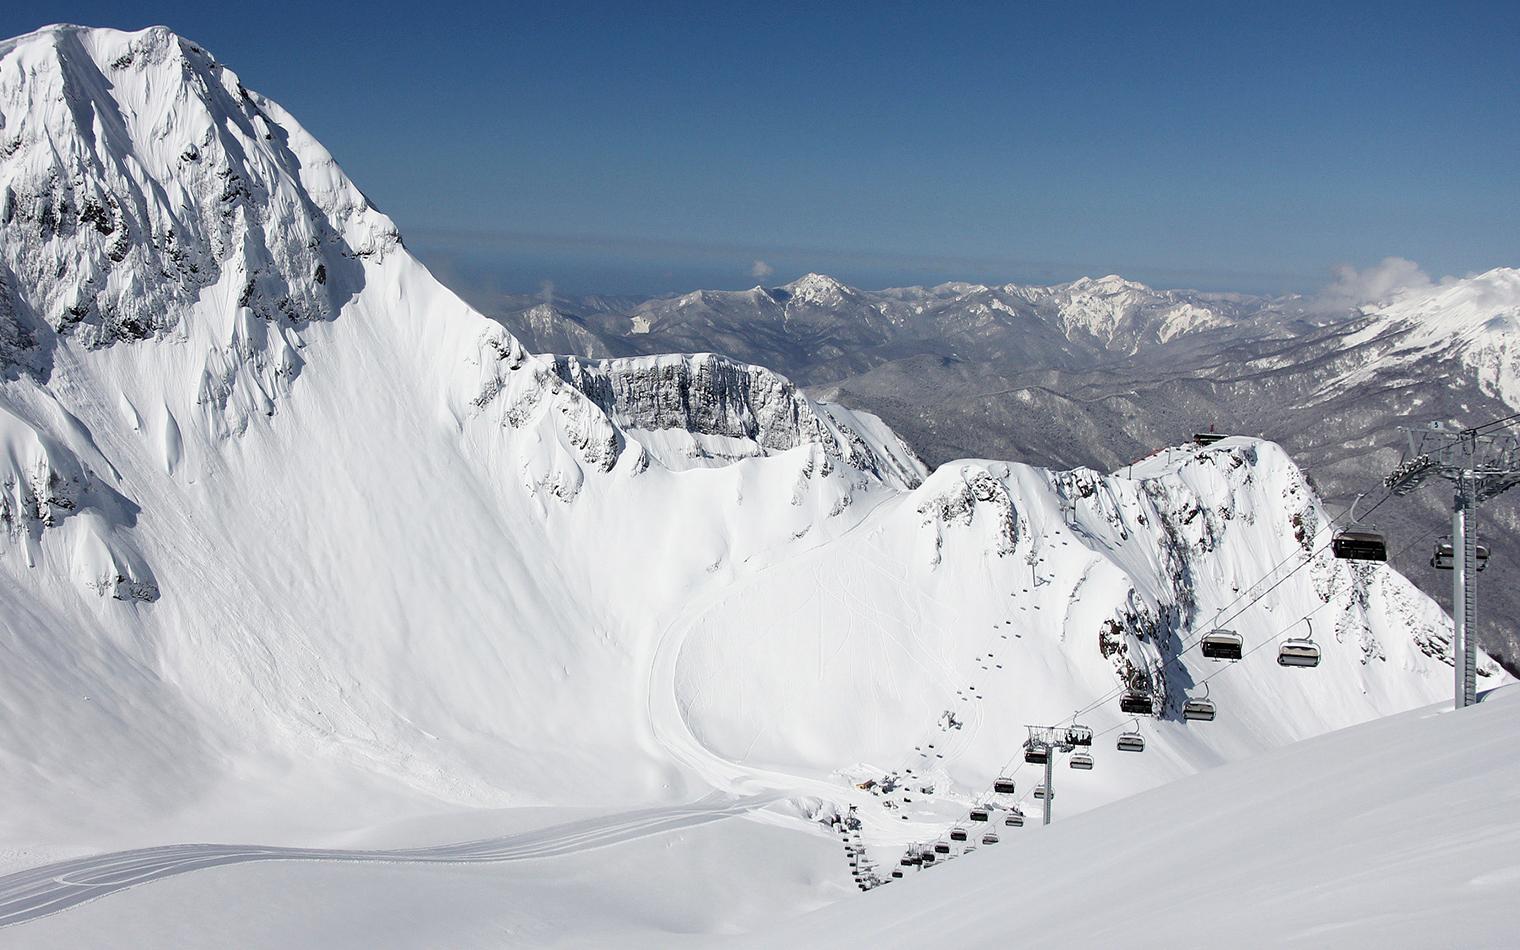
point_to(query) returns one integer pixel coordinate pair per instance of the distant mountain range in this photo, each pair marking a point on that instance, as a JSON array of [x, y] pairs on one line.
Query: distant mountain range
[[1098, 372]]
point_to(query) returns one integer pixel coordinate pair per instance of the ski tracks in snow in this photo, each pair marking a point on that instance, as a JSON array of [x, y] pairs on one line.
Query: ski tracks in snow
[[53, 888]]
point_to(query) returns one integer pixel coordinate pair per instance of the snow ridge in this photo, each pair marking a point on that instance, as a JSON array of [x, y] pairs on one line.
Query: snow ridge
[[733, 410]]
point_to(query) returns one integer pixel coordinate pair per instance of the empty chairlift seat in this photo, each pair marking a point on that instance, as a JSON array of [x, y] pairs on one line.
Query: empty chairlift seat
[[1134, 702], [989, 838], [896, 874], [1131, 742], [1041, 794], [1200, 709], [1036, 754], [1081, 760], [1014, 821], [1445, 556], [980, 814], [941, 847], [958, 834], [1298, 652], [1223, 645], [1359, 546], [1002, 786]]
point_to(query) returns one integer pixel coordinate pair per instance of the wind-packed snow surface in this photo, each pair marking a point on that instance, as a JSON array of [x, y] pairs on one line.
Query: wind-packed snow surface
[[294, 544]]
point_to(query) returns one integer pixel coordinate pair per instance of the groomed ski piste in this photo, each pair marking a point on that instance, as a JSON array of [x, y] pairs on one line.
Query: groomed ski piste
[[1403, 832], [300, 552]]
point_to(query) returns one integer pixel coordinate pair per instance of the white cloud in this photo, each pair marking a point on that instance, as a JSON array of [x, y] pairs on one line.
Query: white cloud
[[1373, 285], [761, 270]]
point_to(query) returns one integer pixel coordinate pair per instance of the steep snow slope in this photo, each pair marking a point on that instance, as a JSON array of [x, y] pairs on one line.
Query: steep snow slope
[[1474, 322], [304, 545], [1398, 833]]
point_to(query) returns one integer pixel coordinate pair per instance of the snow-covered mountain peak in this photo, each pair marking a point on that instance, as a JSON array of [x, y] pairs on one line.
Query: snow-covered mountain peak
[[160, 180], [818, 290], [1109, 284], [1473, 320]]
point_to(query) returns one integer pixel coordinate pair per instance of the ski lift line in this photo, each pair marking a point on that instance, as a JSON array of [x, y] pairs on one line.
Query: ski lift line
[[1307, 560], [1221, 620], [1015, 763], [1501, 422], [1348, 509]]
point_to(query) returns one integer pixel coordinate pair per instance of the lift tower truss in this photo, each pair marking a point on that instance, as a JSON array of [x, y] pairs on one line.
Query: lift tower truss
[[1054, 739], [1480, 465]]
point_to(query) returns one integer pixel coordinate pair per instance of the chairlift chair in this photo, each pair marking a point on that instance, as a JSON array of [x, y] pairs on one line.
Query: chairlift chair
[[1199, 708], [1002, 786], [1299, 651], [896, 874], [1130, 740], [1081, 760], [1359, 546], [989, 838], [980, 814], [1223, 645], [958, 834], [1042, 794], [1079, 735], [940, 847], [1445, 556], [1014, 821], [1135, 701], [1037, 754]]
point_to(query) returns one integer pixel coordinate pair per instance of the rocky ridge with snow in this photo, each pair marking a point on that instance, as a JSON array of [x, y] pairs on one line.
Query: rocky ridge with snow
[[1101, 371], [725, 410]]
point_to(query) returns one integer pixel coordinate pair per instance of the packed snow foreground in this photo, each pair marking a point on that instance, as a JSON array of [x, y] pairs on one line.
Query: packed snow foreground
[[299, 551]]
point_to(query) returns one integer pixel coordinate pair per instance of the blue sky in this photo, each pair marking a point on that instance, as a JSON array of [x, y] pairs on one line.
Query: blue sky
[[637, 148]]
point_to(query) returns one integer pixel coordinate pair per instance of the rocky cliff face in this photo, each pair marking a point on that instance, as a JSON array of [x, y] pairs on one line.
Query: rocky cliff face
[[732, 410]]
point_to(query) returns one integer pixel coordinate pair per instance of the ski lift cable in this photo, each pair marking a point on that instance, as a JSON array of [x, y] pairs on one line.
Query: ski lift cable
[[1237, 613], [1271, 641], [1307, 560], [1005, 771], [1334, 519]]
